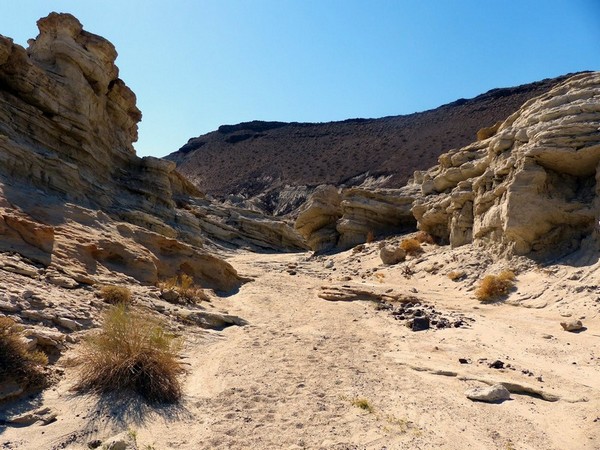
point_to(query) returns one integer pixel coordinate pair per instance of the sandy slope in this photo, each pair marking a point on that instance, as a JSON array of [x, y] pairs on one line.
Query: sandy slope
[[288, 379]]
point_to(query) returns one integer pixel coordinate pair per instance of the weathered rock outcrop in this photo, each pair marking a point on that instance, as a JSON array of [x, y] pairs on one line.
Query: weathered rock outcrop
[[318, 218], [74, 197], [378, 211], [533, 188], [245, 228], [331, 219]]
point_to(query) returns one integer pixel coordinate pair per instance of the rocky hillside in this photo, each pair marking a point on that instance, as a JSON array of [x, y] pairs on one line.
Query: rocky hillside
[[277, 164], [530, 189]]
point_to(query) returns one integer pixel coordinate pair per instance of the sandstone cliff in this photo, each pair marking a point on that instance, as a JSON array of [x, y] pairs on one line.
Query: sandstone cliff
[[530, 189], [74, 197]]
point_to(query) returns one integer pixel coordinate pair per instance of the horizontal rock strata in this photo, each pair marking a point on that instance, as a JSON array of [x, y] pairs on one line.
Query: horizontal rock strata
[[530, 189], [74, 197]]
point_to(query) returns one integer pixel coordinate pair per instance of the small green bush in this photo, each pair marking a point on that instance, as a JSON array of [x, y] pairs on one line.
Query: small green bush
[[363, 403], [16, 362], [131, 352]]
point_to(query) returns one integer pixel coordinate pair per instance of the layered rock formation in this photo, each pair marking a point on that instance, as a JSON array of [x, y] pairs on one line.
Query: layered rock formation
[[74, 197], [229, 225], [377, 212], [332, 219], [533, 188], [318, 218]]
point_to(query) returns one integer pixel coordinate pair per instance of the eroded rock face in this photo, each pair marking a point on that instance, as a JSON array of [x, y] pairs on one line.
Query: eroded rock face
[[378, 211], [245, 228], [74, 197], [317, 219], [332, 219], [530, 189]]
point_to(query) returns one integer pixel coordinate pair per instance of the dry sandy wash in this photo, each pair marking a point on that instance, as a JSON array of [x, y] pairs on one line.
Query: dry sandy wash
[[292, 376]]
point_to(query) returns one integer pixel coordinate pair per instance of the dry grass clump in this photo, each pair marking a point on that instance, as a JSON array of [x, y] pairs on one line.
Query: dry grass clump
[[184, 285], [363, 403], [380, 276], [411, 246], [115, 294], [424, 237], [495, 286], [16, 362], [456, 275], [131, 352]]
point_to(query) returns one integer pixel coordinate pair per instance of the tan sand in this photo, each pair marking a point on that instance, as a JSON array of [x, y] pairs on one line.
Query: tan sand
[[290, 378]]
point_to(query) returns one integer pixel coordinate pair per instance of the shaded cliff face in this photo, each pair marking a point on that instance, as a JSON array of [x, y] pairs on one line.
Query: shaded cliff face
[[74, 197], [272, 162]]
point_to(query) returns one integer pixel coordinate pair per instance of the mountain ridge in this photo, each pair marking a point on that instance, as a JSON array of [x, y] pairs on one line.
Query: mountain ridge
[[253, 162]]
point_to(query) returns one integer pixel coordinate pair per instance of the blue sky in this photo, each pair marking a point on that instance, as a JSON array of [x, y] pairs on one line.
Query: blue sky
[[195, 65]]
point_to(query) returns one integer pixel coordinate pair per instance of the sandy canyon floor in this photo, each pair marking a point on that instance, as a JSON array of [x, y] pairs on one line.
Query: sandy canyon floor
[[296, 375]]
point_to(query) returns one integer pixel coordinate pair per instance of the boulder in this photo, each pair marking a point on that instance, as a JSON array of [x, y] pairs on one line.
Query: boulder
[[46, 338], [573, 325], [212, 320], [490, 394], [69, 324], [122, 441], [390, 255], [44, 416], [170, 295]]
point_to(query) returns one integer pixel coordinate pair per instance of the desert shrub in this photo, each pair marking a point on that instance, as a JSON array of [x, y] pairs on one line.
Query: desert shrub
[[24, 366], [456, 275], [495, 286], [411, 246], [115, 294], [380, 276], [363, 403], [131, 352], [184, 285], [423, 237]]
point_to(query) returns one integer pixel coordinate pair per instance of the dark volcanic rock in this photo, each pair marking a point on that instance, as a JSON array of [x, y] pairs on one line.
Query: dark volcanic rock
[[420, 323]]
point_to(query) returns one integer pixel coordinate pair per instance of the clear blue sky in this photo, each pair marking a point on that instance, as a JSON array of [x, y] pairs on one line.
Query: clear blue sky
[[195, 65]]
